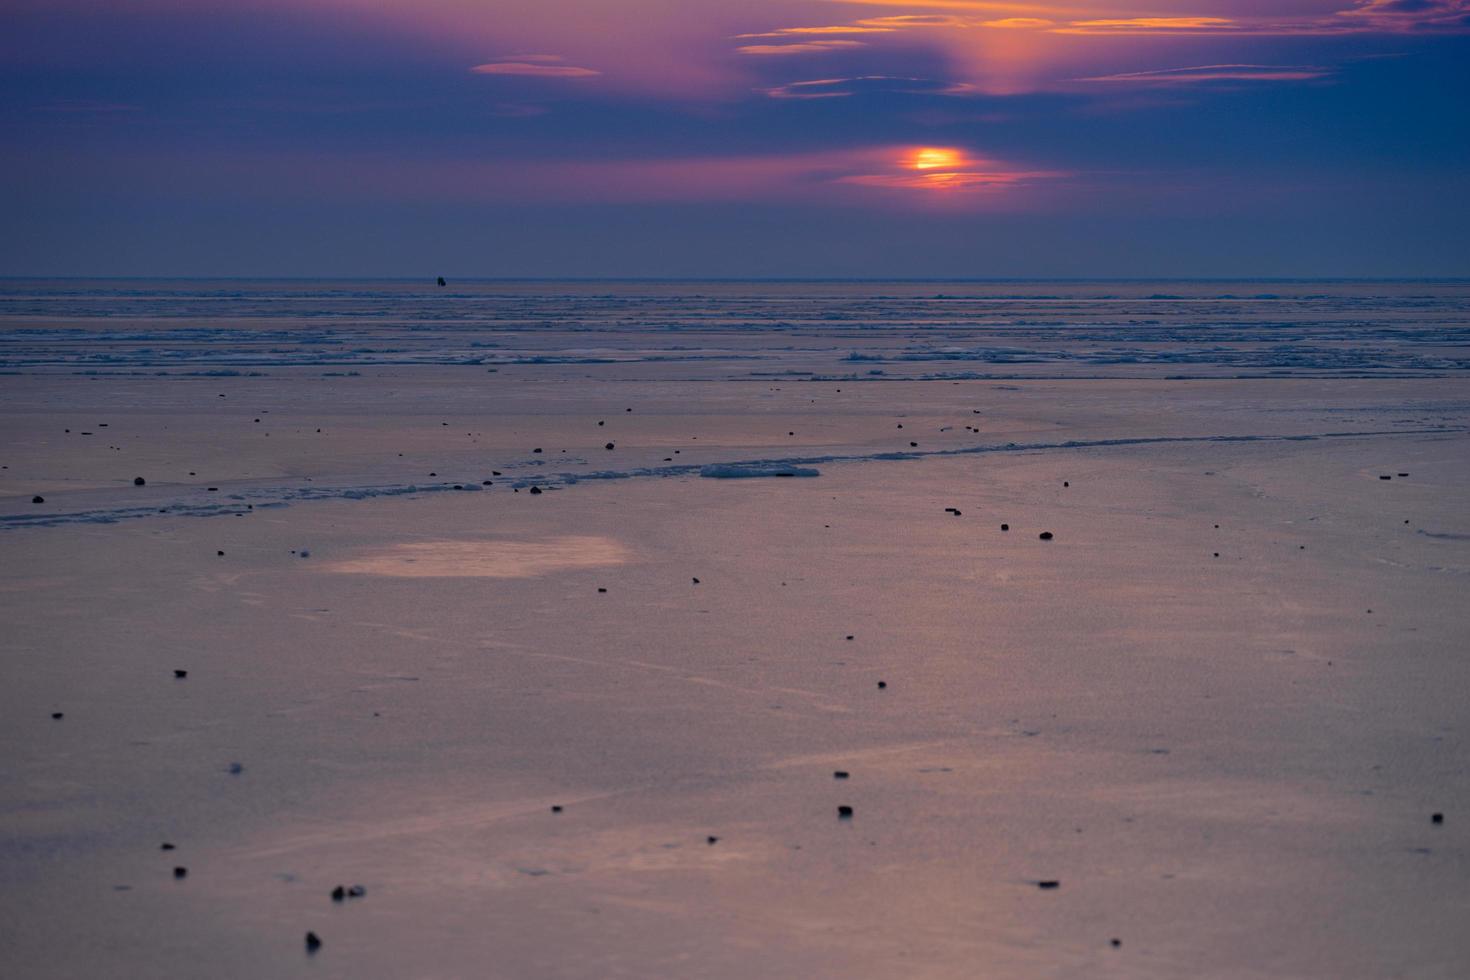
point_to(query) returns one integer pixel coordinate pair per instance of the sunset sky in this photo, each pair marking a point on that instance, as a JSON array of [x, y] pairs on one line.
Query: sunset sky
[[721, 138]]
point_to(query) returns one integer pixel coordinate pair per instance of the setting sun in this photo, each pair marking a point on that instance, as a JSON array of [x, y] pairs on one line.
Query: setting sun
[[934, 158]]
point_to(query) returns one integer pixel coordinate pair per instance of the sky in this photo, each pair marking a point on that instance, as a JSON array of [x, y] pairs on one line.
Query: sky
[[735, 138]]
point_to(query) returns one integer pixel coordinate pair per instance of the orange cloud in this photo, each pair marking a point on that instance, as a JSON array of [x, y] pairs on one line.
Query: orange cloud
[[1149, 25], [975, 5], [1019, 23]]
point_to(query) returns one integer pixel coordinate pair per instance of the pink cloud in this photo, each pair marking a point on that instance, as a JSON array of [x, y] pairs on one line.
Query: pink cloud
[[1410, 15], [800, 47], [858, 28], [536, 69]]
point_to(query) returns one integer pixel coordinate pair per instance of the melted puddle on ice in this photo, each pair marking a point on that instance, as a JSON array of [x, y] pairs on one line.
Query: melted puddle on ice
[[485, 559]]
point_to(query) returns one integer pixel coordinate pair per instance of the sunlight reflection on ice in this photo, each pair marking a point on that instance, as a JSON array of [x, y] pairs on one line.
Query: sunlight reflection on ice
[[486, 559]]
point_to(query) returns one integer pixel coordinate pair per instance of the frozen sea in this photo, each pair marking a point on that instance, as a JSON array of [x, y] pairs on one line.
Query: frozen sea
[[549, 613]]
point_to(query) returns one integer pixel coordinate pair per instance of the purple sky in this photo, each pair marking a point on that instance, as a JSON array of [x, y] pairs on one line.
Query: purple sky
[[711, 138]]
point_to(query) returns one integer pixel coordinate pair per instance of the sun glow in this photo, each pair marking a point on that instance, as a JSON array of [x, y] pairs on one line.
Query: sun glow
[[935, 158]]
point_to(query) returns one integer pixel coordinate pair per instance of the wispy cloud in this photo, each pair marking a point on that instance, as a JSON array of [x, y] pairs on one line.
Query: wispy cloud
[[1216, 73], [1148, 25], [800, 47], [858, 28], [1019, 23], [1357, 17], [534, 66], [836, 88], [1410, 15]]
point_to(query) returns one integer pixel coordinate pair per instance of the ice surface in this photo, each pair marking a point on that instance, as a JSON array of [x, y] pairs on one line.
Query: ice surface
[[1228, 763], [741, 471]]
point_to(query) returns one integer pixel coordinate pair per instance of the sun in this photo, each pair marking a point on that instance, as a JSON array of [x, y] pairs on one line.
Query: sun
[[935, 158]]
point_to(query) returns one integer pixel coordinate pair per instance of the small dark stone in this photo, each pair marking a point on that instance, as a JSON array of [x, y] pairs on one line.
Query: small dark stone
[[1045, 535], [1403, 474], [165, 846], [1436, 818], [1005, 527], [219, 554], [609, 446], [339, 893], [57, 715], [840, 774], [712, 840], [1115, 943], [433, 474], [556, 808], [181, 872], [442, 282], [1385, 476], [236, 768], [535, 490], [536, 450], [138, 481], [599, 422], [38, 499], [849, 636], [882, 685], [486, 483], [1217, 554], [844, 813], [181, 674], [1066, 484], [601, 590], [313, 942], [914, 444], [696, 581], [1048, 885]]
